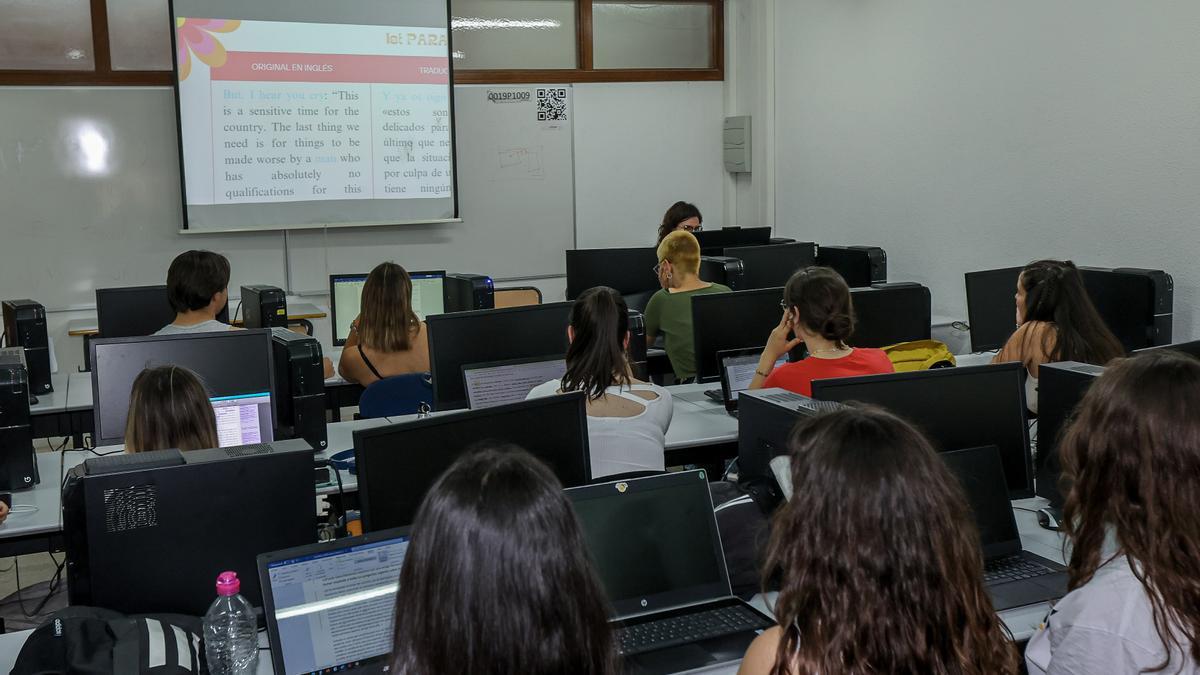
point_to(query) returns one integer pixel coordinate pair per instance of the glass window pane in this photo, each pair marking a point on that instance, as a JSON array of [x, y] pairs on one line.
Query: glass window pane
[[513, 33], [46, 35], [139, 34], [651, 35]]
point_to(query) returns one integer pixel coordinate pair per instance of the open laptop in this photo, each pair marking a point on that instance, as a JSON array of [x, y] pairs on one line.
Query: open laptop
[[1013, 577], [502, 382], [329, 606], [655, 545], [737, 368]]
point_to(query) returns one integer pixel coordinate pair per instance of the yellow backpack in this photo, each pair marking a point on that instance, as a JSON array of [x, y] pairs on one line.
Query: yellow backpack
[[919, 355]]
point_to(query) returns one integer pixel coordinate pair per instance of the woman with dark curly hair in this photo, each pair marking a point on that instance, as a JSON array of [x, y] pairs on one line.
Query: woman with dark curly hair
[[879, 560], [1131, 465]]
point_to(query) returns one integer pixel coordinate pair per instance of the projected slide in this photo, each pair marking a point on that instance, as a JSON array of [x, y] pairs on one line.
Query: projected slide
[[367, 116], [294, 114]]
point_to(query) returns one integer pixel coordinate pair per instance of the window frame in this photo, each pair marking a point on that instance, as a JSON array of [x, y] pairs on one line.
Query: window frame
[[104, 75]]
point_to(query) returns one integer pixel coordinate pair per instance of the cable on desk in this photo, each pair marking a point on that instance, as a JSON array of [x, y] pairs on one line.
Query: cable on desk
[[236, 311], [51, 589], [22, 508]]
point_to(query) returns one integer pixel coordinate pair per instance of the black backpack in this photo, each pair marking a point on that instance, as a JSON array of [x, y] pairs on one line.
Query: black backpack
[[87, 640]]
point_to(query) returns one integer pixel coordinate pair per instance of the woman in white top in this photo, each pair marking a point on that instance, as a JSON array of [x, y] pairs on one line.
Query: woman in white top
[[1132, 459], [627, 418]]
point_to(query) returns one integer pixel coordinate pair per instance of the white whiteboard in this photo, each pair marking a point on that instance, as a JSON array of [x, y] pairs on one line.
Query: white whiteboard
[[89, 188]]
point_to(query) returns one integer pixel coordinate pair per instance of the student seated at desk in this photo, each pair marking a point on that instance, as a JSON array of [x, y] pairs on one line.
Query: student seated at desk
[[1056, 322], [169, 408], [198, 289], [670, 309], [819, 311], [497, 578], [627, 418], [387, 338], [878, 560], [1132, 461], [681, 216]]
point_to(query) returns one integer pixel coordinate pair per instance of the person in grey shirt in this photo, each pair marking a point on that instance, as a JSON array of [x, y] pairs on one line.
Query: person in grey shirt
[[197, 288], [1132, 521]]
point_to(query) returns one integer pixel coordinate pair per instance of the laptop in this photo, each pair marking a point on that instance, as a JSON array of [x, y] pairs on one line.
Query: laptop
[[656, 548], [737, 368], [329, 606], [503, 382], [1013, 576]]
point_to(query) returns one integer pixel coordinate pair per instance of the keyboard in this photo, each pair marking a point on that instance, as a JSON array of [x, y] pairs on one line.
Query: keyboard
[[803, 402], [687, 628], [1012, 568]]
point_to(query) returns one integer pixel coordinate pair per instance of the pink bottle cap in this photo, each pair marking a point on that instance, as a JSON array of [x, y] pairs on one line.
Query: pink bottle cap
[[228, 584]]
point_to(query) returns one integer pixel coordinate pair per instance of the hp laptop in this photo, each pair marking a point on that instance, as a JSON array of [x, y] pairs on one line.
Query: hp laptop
[[737, 368], [657, 550], [502, 382], [329, 606], [1013, 577]]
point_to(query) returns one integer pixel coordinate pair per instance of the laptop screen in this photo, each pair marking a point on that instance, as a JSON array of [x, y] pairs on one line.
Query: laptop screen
[[345, 294], [244, 419], [333, 609], [654, 541], [981, 474], [493, 384], [739, 371]]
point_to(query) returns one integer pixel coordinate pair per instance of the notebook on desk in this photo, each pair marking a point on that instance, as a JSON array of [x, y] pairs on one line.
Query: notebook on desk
[[655, 545], [329, 606]]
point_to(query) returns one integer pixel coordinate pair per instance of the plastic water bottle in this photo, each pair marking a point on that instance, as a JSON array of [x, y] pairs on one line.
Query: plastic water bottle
[[230, 630]]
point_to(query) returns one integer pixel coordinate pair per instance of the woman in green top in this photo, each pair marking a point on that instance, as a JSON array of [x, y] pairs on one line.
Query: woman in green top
[[670, 310]]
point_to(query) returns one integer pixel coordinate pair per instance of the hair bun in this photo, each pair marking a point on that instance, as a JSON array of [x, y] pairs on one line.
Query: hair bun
[[837, 327]]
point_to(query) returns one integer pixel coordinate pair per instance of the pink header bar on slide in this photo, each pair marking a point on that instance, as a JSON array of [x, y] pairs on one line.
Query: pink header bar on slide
[[286, 67]]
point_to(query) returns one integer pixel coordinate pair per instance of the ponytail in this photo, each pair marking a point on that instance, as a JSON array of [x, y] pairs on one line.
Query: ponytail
[[596, 359]]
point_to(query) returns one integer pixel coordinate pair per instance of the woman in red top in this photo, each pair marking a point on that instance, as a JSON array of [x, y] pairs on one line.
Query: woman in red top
[[819, 312]]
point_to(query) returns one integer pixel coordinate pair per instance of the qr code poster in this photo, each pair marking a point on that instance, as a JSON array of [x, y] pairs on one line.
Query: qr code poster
[[552, 104]]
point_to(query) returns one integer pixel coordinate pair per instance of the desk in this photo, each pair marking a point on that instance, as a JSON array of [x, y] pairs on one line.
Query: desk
[[49, 416], [300, 311], [40, 531]]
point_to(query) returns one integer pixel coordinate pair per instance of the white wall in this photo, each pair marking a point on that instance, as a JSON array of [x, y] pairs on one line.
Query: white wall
[[968, 135]]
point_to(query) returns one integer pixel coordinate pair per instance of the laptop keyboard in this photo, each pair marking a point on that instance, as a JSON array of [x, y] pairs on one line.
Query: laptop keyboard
[[687, 628], [1012, 568]]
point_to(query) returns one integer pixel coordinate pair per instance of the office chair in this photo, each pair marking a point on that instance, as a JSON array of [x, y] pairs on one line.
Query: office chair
[[519, 296], [399, 395]]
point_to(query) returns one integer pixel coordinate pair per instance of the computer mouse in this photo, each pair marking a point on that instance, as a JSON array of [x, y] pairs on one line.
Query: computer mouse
[[1048, 518]]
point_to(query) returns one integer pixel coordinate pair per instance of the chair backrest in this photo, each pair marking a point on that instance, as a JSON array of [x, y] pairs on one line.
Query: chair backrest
[[519, 296], [399, 395]]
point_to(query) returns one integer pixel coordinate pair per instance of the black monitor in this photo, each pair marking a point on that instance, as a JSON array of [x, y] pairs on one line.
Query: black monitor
[[992, 307], [345, 296], [1190, 348], [150, 532], [397, 464], [957, 408], [1135, 304], [887, 314], [235, 367], [860, 266], [628, 271], [772, 265], [736, 320], [483, 336], [714, 242], [1061, 387], [135, 311]]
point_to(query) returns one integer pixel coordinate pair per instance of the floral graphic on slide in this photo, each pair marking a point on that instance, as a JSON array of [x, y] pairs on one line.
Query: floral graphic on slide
[[196, 35]]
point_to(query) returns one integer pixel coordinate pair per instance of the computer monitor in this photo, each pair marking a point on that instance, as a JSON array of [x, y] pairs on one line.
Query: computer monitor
[[135, 311], [484, 336], [330, 606], [957, 408], [345, 295], [502, 382], [1131, 301], [150, 532], [235, 367], [771, 266], [1190, 348], [887, 314], [628, 271], [1061, 386], [736, 320], [714, 242], [979, 471], [397, 464], [860, 266], [992, 307]]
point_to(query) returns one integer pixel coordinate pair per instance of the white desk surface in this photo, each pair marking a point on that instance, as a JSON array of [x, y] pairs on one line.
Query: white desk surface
[[46, 496], [55, 401], [79, 393]]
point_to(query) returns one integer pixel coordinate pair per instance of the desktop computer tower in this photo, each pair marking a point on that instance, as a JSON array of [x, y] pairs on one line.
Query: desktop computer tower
[[299, 388], [18, 464], [1136, 304], [25, 326], [859, 265], [465, 292], [719, 269], [1061, 387], [264, 306], [766, 418]]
